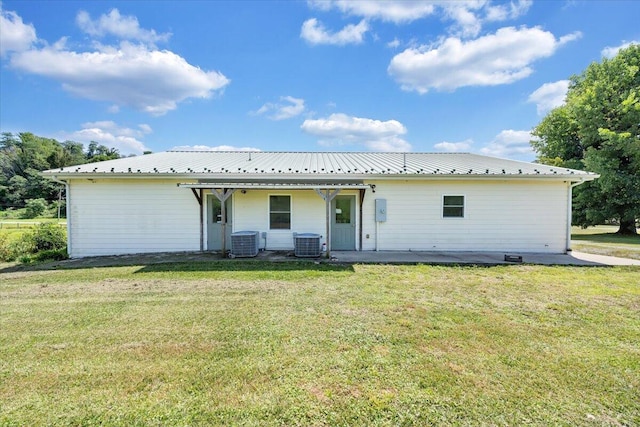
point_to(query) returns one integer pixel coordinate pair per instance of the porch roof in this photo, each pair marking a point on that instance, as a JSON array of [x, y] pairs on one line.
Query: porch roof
[[259, 186]]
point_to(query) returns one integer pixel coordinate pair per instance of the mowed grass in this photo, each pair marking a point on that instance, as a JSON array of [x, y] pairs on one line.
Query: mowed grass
[[252, 343], [603, 240]]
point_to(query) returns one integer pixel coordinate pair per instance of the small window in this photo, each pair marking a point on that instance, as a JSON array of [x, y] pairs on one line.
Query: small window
[[280, 212], [453, 206]]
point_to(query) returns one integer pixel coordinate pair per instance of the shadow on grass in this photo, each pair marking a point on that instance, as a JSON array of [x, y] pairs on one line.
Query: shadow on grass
[[196, 262], [244, 266], [608, 238]]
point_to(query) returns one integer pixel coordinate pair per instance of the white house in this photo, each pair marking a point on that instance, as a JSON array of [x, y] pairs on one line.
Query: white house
[[191, 201]]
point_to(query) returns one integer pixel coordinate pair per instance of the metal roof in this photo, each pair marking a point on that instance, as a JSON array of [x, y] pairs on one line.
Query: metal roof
[[326, 166]]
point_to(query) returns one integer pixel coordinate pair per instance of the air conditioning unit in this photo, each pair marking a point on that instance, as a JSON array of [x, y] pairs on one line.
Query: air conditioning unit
[[244, 244], [307, 245]]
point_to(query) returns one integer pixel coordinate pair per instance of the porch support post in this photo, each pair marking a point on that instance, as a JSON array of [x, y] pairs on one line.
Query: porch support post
[[198, 195], [328, 196], [223, 194], [362, 192]]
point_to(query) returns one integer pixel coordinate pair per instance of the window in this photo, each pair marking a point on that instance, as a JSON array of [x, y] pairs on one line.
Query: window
[[453, 206], [280, 212]]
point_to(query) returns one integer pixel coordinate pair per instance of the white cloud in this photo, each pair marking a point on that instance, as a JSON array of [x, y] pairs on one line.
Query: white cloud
[[110, 134], [340, 129], [454, 147], [611, 51], [510, 144], [467, 15], [315, 33], [386, 10], [549, 96], [130, 75], [216, 148], [123, 27], [500, 58], [503, 12], [393, 44], [15, 35], [467, 22], [288, 107]]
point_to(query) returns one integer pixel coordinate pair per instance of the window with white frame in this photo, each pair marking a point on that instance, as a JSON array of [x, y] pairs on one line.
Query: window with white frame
[[453, 206], [280, 212]]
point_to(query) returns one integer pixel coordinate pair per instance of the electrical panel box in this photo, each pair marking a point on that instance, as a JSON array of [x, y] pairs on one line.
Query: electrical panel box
[[381, 210]]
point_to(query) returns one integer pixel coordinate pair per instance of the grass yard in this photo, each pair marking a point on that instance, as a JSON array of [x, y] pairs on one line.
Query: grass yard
[[252, 343], [602, 240]]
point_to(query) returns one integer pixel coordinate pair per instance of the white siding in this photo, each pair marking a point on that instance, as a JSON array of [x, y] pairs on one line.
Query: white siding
[[111, 217], [108, 217], [524, 216]]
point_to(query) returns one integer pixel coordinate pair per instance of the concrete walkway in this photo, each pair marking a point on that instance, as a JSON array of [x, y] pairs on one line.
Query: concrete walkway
[[478, 258], [347, 257]]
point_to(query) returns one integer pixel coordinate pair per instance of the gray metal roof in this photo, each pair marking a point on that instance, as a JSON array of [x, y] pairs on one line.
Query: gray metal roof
[[328, 166]]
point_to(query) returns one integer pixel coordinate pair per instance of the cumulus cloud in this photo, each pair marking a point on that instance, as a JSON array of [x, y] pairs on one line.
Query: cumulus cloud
[[287, 108], [132, 73], [216, 148], [15, 35], [513, 144], [454, 147], [341, 129], [495, 59], [512, 10], [315, 33], [123, 27], [611, 51], [385, 10], [110, 134], [467, 15], [549, 96]]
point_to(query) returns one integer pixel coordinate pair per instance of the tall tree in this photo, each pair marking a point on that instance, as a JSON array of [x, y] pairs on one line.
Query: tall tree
[[598, 129]]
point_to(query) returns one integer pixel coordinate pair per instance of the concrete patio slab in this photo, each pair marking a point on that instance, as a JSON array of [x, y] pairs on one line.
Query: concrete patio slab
[[478, 258]]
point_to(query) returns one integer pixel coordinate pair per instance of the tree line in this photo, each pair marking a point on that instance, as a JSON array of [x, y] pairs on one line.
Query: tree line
[[24, 155]]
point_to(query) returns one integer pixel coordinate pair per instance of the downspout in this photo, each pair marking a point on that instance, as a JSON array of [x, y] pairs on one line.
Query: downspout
[[570, 213]]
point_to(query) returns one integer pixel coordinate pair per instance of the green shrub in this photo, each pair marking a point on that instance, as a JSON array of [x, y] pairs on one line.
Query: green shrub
[[12, 249], [46, 237], [34, 208], [51, 255], [5, 249], [46, 241]]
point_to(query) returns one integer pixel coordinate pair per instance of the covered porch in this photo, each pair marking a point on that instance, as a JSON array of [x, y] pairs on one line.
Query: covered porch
[[334, 219]]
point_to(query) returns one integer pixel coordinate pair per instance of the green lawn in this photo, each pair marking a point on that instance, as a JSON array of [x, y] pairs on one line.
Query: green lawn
[[252, 343], [602, 240]]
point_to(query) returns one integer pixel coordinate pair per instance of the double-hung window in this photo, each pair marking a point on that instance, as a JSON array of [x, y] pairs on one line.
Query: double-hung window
[[280, 212], [453, 206]]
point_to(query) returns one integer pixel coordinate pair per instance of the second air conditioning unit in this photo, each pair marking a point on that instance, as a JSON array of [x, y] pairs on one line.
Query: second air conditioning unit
[[307, 245]]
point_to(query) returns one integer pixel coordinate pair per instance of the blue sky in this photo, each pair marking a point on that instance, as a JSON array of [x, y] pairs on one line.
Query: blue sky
[[473, 76]]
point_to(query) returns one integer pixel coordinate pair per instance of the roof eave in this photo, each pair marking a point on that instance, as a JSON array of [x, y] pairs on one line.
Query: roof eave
[[315, 177]]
